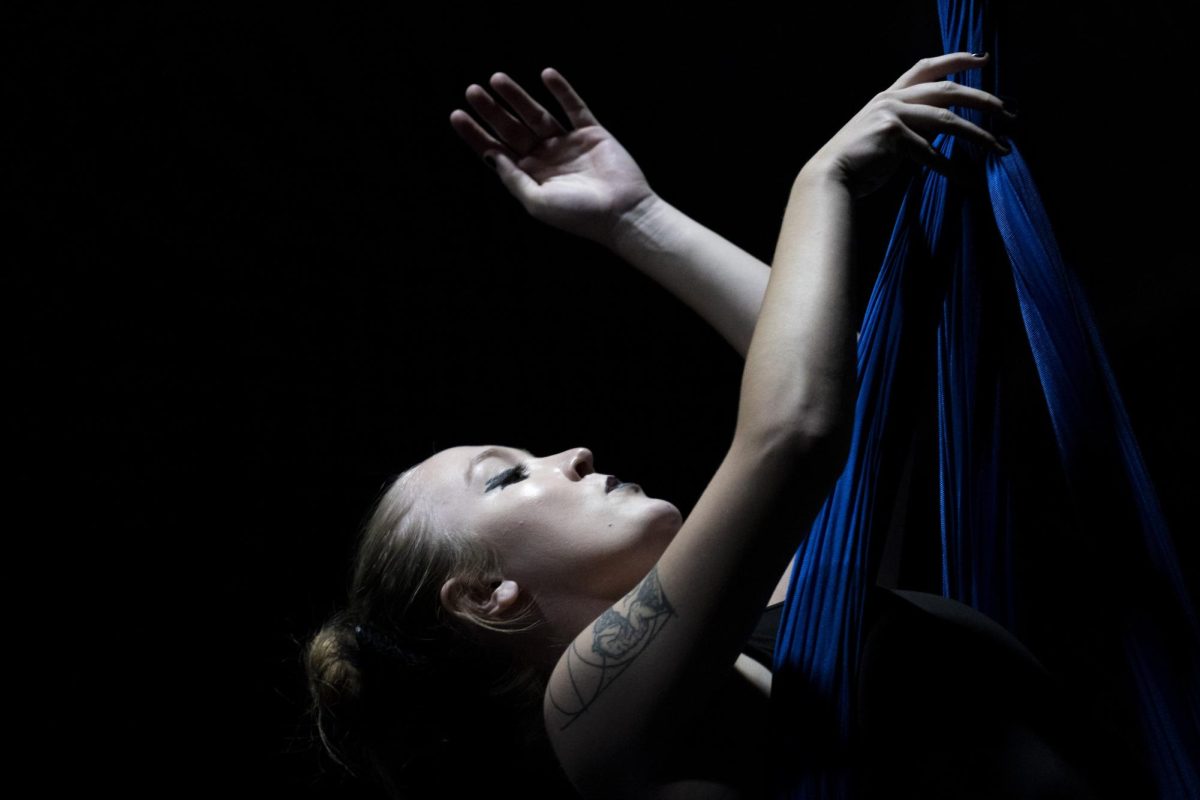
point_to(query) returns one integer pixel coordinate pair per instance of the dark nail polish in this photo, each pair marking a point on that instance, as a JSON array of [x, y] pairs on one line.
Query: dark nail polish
[[491, 162], [979, 55]]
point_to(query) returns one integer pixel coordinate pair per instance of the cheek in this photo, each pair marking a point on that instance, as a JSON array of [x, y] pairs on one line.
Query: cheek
[[535, 550], [546, 542]]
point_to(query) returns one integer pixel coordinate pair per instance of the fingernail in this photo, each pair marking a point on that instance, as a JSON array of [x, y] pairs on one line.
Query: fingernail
[[980, 55], [491, 162], [1004, 146]]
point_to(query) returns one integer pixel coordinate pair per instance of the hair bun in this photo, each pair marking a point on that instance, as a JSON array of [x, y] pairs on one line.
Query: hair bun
[[334, 680]]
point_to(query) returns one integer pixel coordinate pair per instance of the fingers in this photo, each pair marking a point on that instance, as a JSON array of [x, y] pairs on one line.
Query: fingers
[[928, 69], [577, 110], [929, 121], [516, 137], [925, 153], [516, 180], [479, 140], [507, 127], [949, 93], [532, 113], [924, 105]]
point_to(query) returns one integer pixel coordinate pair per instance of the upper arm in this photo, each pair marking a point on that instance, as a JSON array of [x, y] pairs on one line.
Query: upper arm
[[628, 684]]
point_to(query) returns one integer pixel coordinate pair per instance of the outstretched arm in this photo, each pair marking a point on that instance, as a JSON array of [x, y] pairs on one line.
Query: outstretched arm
[[584, 182], [714, 277]]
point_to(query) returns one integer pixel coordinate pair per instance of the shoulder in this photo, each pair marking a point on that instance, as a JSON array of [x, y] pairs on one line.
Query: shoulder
[[720, 754], [963, 623]]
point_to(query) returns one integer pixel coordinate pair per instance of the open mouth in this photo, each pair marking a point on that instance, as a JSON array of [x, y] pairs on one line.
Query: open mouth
[[612, 484]]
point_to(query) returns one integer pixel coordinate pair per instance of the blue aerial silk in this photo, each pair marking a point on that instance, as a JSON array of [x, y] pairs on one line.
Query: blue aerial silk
[[932, 357]]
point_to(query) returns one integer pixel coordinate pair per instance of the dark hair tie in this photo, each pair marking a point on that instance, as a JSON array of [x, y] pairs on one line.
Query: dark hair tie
[[373, 641]]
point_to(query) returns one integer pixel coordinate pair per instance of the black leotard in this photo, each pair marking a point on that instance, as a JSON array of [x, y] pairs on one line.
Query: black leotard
[[950, 704]]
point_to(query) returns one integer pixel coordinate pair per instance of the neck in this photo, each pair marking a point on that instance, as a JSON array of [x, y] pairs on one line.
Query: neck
[[565, 617]]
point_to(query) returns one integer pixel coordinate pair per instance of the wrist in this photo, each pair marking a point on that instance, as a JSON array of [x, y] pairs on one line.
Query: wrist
[[817, 171], [640, 227]]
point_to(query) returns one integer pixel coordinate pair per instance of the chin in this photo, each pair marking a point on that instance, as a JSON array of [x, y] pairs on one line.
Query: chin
[[666, 524]]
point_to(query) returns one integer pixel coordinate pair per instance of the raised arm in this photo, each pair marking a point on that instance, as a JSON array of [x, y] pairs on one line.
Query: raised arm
[[584, 182], [711, 275], [637, 676], [640, 674]]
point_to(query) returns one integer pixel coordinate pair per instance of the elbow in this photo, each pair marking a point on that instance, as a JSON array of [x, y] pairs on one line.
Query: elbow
[[821, 447], [824, 428], [832, 447], [815, 446], [812, 429]]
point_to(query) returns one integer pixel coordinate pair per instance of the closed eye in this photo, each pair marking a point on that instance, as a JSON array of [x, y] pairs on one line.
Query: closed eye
[[513, 475]]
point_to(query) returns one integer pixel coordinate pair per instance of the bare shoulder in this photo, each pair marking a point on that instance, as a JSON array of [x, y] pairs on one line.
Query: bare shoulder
[[637, 681], [580, 727]]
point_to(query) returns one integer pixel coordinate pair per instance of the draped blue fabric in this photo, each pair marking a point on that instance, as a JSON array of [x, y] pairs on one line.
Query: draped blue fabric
[[965, 261]]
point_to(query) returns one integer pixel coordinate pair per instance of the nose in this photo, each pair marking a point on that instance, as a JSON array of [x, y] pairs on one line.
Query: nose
[[578, 462]]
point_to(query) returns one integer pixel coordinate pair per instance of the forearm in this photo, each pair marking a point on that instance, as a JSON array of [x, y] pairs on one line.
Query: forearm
[[800, 366], [714, 277]]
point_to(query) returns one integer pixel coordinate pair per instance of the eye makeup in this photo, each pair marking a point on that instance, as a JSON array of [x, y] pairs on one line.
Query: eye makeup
[[508, 476]]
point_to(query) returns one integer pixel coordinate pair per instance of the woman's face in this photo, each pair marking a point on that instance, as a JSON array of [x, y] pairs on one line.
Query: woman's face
[[556, 523]]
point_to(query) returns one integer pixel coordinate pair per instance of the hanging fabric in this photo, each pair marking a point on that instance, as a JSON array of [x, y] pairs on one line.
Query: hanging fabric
[[973, 305]]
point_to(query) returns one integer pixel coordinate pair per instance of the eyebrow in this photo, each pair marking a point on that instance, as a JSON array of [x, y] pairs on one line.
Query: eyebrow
[[488, 453]]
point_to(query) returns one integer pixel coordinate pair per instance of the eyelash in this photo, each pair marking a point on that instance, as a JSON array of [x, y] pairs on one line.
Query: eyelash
[[513, 475]]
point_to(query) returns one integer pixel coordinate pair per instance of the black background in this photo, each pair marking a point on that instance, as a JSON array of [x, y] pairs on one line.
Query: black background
[[255, 273]]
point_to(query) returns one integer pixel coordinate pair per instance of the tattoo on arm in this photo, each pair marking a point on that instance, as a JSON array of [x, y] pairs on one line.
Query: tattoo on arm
[[617, 639]]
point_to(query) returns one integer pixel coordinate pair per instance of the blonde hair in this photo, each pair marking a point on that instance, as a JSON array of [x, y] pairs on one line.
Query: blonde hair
[[432, 695]]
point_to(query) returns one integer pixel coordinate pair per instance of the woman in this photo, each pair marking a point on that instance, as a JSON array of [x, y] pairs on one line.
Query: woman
[[516, 618]]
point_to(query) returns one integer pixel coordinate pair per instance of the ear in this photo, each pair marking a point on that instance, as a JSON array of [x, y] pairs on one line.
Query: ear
[[457, 598], [502, 599]]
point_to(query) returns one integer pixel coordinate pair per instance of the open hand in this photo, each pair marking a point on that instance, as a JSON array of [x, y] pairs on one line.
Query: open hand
[[901, 121], [580, 181]]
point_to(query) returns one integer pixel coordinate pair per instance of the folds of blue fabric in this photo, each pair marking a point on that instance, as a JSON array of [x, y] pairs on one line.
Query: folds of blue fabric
[[1013, 391]]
